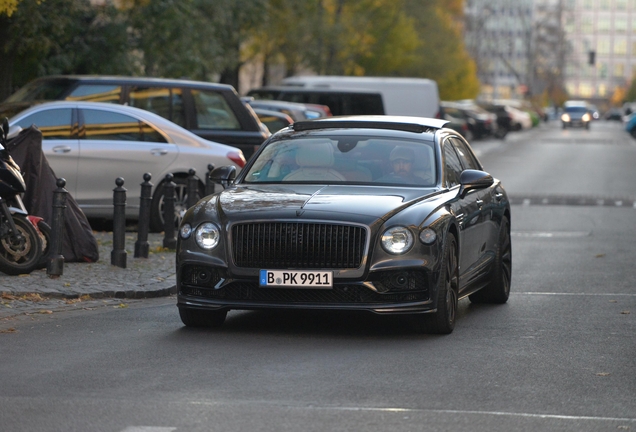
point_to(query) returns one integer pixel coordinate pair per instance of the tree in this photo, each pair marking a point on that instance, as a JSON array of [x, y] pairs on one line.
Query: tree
[[59, 36], [442, 55]]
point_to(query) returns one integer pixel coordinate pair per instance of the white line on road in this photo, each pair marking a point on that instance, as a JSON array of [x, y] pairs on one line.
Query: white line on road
[[149, 429], [495, 413], [576, 294], [469, 412]]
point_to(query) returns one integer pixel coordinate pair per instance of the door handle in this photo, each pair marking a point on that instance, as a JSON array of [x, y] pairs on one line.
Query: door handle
[[158, 152], [459, 216], [498, 196], [480, 203], [61, 149]]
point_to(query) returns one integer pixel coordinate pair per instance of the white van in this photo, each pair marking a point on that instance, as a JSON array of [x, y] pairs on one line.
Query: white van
[[400, 96]]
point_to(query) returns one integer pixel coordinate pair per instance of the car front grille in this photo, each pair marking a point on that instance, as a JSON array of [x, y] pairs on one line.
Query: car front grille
[[297, 245]]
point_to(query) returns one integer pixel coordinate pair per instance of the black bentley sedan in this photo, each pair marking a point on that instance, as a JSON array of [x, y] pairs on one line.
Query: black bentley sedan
[[391, 215]]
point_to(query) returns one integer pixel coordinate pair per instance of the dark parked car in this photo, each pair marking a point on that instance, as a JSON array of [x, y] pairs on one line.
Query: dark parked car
[[212, 111], [481, 123], [391, 215]]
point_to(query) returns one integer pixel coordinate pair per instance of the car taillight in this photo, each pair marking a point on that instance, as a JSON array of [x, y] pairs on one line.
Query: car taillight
[[237, 157]]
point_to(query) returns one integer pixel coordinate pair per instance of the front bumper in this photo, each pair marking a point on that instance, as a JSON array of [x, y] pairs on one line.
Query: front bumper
[[384, 292]]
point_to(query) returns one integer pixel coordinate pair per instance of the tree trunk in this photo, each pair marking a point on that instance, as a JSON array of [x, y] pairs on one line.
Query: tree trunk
[[6, 76]]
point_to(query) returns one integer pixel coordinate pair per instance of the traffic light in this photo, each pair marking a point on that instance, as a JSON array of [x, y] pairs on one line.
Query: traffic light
[[591, 57]]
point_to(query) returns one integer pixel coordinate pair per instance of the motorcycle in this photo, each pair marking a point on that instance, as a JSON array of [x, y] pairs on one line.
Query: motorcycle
[[22, 243]]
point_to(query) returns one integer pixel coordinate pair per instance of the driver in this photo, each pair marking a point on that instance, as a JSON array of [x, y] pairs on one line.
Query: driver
[[402, 159]]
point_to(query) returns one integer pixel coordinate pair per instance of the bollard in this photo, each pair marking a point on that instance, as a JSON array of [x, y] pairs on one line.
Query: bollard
[[141, 245], [209, 184], [169, 241], [118, 254], [193, 187], [55, 265]]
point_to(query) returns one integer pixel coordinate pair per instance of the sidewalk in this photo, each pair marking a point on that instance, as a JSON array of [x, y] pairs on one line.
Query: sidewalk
[[142, 278]]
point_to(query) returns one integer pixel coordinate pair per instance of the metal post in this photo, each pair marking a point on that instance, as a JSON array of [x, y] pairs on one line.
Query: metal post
[[169, 241], [193, 187], [141, 245], [55, 265], [118, 254], [209, 184]]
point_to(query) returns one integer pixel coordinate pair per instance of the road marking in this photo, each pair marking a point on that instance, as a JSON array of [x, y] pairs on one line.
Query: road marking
[[551, 234], [495, 413], [149, 429], [440, 411], [576, 294]]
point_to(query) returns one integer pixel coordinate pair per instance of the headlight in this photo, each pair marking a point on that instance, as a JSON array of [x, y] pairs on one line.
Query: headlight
[[428, 236], [397, 240], [207, 236], [185, 231], [565, 118], [586, 117]]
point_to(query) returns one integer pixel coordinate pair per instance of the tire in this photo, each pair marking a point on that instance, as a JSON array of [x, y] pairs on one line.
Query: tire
[[202, 318], [498, 289], [180, 203], [633, 132], [443, 320], [21, 257]]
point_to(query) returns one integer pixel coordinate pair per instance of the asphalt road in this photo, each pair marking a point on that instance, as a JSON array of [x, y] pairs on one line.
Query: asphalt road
[[560, 356]]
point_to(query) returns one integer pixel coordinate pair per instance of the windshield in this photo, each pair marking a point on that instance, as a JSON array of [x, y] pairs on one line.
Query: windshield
[[346, 160], [576, 109]]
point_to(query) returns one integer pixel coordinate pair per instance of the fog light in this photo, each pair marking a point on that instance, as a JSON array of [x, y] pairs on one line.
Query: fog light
[[428, 236], [185, 231]]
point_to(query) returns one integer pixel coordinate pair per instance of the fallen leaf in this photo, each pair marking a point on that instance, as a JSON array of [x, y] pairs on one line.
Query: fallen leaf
[[624, 312], [603, 374], [600, 255], [46, 312], [67, 284], [121, 306], [613, 301], [9, 330]]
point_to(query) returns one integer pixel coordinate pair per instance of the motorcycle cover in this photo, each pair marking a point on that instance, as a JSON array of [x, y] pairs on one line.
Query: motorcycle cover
[[79, 243]]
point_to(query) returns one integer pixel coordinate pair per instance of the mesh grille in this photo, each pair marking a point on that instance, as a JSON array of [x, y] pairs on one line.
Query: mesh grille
[[342, 294], [297, 245]]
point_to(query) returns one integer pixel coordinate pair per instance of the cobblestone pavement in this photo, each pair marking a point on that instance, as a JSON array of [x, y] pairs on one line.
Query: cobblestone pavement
[[85, 285]]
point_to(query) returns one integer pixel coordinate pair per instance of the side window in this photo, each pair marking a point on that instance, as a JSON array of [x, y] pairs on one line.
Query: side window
[[465, 155], [107, 125], [53, 123], [96, 93], [452, 166], [213, 112], [166, 102]]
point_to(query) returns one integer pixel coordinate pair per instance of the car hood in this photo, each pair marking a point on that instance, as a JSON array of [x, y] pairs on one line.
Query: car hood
[[361, 204]]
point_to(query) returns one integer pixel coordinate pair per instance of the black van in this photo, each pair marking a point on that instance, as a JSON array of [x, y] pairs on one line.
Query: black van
[[340, 102], [212, 111]]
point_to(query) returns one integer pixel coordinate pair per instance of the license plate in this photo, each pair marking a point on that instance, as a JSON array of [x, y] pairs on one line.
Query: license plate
[[296, 278]]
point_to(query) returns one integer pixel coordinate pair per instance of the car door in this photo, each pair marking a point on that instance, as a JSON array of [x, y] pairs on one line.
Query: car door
[[466, 211], [112, 145], [60, 144], [484, 230]]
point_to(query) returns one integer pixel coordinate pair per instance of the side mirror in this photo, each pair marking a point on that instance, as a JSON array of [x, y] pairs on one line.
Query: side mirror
[[224, 175], [474, 179]]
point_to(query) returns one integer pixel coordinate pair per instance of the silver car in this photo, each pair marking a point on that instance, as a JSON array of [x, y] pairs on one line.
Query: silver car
[[91, 144]]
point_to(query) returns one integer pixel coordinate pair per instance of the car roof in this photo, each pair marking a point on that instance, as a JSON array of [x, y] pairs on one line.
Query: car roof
[[299, 89], [400, 123], [106, 79], [164, 124]]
